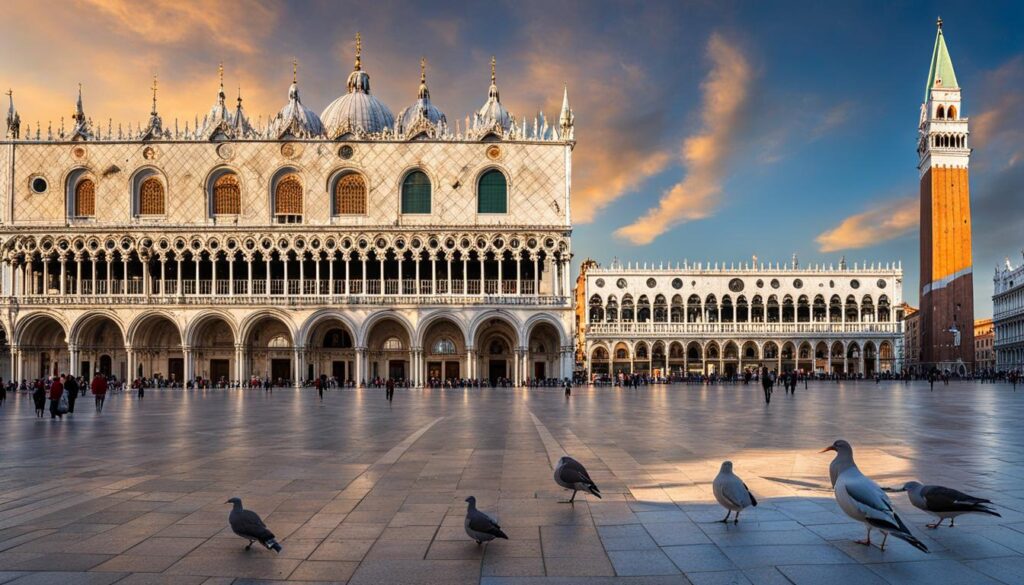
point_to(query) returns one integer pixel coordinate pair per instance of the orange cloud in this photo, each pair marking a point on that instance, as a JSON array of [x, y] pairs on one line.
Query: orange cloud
[[886, 222], [705, 155], [236, 25]]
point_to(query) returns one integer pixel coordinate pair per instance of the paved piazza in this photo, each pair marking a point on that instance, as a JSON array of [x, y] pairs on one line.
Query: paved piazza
[[365, 492]]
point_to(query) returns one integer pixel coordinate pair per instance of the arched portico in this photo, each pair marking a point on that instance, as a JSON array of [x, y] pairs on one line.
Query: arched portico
[[100, 342], [328, 341], [156, 345], [444, 349], [269, 350], [42, 348], [389, 352]]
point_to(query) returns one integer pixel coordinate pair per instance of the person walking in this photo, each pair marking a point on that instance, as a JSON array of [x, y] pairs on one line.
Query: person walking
[[319, 384], [39, 397], [3, 392], [142, 388], [56, 393], [389, 391], [99, 390], [71, 385], [766, 385], [568, 388]]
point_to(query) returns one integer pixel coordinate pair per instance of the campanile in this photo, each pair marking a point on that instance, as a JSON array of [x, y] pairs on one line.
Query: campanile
[[947, 283]]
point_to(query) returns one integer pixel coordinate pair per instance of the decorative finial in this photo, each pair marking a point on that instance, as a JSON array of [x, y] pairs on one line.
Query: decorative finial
[[423, 69], [938, 23], [239, 96], [359, 52], [295, 71], [493, 63], [154, 94]]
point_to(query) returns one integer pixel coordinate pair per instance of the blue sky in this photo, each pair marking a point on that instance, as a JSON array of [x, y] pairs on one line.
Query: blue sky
[[764, 125]]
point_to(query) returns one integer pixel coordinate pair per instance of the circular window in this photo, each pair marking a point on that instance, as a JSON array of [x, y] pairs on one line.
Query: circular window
[[39, 185], [493, 152], [346, 152], [599, 283], [775, 283], [651, 283], [736, 285], [881, 283], [855, 283], [621, 283], [760, 283], [798, 283], [677, 283]]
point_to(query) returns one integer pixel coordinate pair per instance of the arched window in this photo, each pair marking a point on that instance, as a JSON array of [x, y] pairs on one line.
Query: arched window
[[151, 197], [288, 200], [940, 113], [85, 198], [227, 195], [951, 113], [444, 346], [492, 193], [416, 193], [392, 344], [350, 195]]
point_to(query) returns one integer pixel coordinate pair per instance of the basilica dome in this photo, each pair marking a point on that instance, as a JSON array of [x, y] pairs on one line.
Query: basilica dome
[[295, 119], [422, 116], [356, 112]]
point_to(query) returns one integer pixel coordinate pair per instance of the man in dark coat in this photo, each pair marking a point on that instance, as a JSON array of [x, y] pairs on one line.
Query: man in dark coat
[[390, 391], [71, 385], [766, 385]]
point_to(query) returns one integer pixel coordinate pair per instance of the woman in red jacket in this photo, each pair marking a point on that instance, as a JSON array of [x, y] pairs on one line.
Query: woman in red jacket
[[99, 389], [56, 391]]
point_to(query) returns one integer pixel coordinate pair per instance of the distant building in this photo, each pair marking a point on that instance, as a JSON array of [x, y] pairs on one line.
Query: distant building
[[717, 319], [1008, 317], [984, 339], [911, 339]]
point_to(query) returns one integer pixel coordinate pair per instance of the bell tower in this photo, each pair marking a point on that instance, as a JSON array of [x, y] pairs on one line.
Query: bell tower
[[947, 283]]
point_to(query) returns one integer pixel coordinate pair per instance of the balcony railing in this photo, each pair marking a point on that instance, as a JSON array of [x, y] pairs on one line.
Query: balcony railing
[[224, 291]]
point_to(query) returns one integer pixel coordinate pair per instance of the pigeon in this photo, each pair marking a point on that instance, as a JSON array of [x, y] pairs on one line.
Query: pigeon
[[731, 492], [862, 499], [944, 502], [479, 526], [249, 525], [571, 475]]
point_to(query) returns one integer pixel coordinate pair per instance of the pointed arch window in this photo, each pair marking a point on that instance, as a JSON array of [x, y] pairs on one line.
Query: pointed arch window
[[492, 193], [152, 199], [288, 200], [85, 198], [416, 193], [227, 195], [350, 195]]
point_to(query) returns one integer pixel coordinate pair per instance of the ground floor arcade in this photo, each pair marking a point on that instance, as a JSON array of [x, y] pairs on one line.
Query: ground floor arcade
[[411, 345]]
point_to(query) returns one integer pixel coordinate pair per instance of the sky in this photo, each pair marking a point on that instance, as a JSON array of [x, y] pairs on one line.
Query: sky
[[709, 131]]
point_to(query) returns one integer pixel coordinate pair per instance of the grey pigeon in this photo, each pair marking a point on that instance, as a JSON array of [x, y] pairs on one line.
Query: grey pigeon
[[479, 526], [944, 502], [862, 499], [571, 475], [731, 492], [250, 526]]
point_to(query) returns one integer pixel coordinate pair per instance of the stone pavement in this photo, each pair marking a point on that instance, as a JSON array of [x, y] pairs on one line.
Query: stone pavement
[[364, 492]]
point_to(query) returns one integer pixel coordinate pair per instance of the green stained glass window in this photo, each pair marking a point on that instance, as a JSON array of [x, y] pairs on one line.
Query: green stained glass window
[[416, 193], [492, 193]]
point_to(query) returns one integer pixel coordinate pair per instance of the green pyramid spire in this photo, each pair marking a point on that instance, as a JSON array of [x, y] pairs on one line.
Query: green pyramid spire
[[942, 66]]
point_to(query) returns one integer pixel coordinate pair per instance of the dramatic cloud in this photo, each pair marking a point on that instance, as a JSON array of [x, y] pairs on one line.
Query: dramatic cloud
[[705, 154], [887, 221]]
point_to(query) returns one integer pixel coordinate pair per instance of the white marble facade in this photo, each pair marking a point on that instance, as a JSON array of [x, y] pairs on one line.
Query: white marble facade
[[226, 251]]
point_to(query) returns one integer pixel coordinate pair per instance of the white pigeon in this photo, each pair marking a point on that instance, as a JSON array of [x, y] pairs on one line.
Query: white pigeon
[[731, 492], [862, 499]]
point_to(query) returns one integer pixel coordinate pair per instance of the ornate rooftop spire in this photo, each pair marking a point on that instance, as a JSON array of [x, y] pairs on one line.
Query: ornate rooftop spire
[[295, 71], [566, 118], [81, 130], [941, 73], [492, 118], [424, 93], [13, 119], [156, 127], [493, 90], [359, 52]]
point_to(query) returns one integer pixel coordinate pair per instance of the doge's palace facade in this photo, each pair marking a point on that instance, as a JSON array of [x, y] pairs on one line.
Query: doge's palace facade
[[355, 243]]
